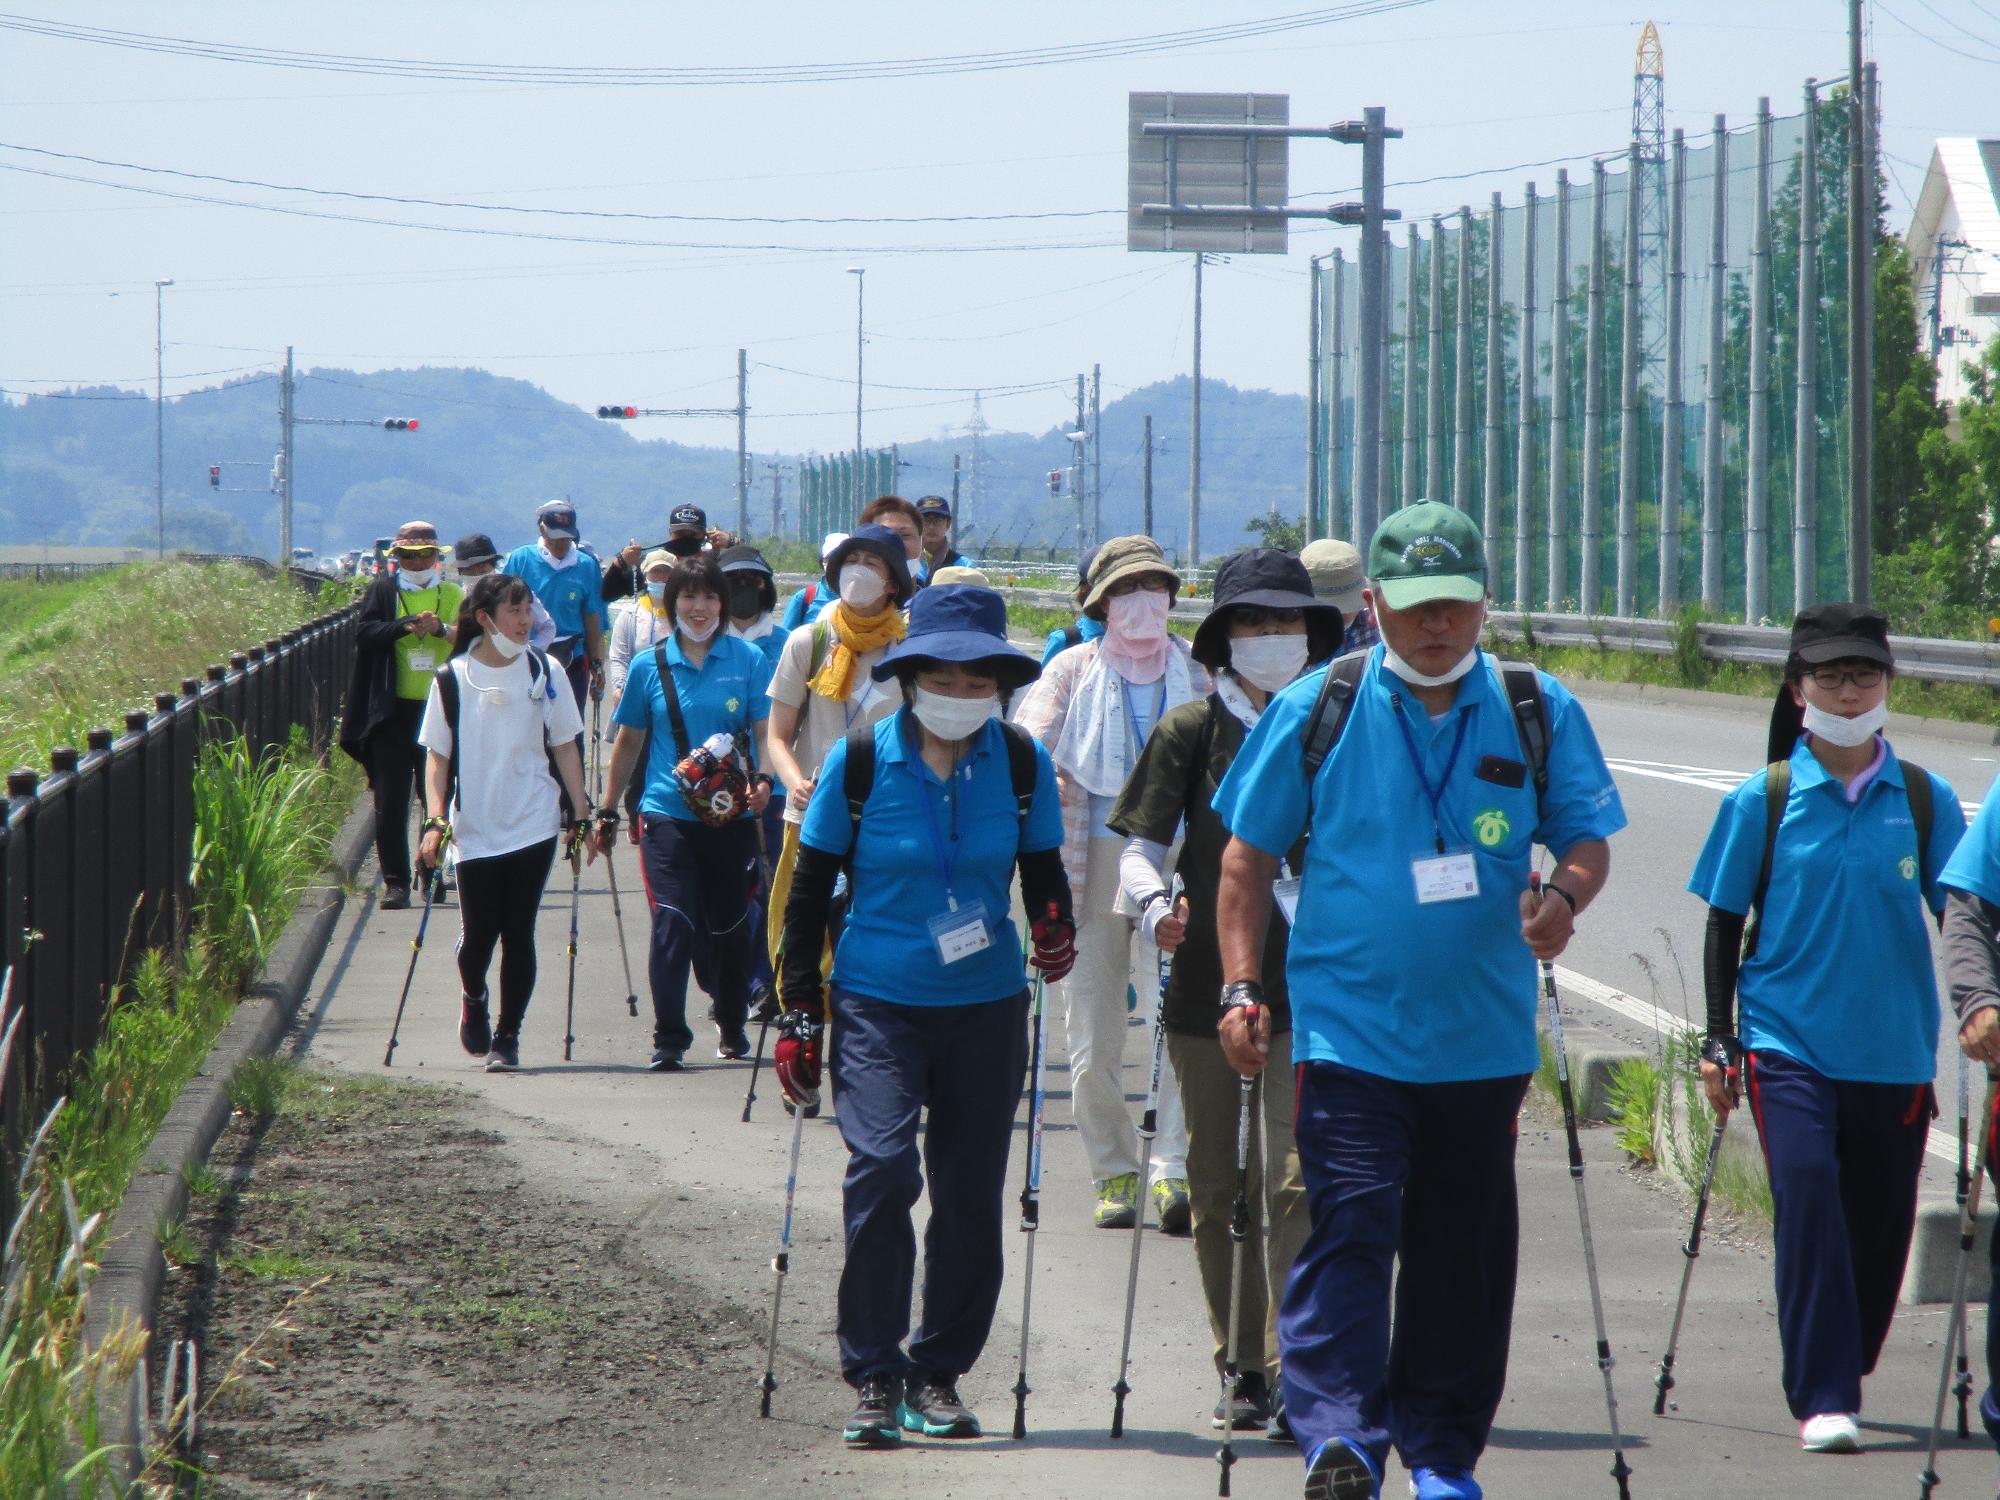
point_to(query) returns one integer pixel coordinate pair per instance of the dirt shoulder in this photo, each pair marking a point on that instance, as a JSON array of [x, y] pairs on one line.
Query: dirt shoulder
[[366, 1268]]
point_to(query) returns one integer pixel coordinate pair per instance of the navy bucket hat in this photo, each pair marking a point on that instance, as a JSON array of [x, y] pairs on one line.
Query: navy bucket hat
[[883, 543], [961, 622]]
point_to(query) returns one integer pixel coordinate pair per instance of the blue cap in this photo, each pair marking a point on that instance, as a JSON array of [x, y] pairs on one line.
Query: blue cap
[[557, 518], [934, 505], [964, 623]]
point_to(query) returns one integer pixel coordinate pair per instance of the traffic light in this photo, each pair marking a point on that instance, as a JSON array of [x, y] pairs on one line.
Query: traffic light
[[215, 476], [622, 413], [1055, 481], [399, 424]]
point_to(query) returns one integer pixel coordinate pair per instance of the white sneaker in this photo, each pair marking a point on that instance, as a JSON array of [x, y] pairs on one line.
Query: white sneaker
[[1830, 1432]]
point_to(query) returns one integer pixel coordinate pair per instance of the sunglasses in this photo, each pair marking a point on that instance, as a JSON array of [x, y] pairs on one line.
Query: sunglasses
[[415, 554], [1831, 678]]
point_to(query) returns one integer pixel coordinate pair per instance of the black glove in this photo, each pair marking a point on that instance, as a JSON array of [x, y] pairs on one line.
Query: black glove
[[1726, 1052]]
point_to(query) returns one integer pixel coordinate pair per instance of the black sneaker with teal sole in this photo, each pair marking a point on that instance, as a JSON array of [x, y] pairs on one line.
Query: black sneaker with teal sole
[[931, 1406], [874, 1423], [1341, 1471]]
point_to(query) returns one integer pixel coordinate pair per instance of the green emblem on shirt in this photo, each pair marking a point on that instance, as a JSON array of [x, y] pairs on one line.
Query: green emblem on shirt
[[1491, 828], [1908, 866], [733, 704]]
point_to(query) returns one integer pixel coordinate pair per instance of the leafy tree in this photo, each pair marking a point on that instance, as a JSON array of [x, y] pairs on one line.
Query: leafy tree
[[1286, 533]]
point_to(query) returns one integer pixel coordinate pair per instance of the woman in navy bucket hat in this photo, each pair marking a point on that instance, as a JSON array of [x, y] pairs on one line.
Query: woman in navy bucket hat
[[929, 811]]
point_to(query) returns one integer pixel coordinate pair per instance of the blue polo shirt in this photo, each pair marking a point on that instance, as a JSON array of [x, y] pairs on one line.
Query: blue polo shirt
[[1974, 866], [799, 612], [726, 694], [1841, 980], [886, 950], [1059, 641], [568, 594], [1433, 993]]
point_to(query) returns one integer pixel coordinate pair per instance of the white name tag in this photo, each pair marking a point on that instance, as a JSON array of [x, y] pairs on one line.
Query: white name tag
[[1286, 893], [423, 661], [962, 933], [1445, 877]]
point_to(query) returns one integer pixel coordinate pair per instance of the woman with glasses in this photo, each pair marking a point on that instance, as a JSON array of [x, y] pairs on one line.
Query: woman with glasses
[[406, 627], [1830, 1008]]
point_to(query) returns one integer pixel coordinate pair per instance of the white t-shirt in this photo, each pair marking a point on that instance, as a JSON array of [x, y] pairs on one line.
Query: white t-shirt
[[823, 723], [507, 796]]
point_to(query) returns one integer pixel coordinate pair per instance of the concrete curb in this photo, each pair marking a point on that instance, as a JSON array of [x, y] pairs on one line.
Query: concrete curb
[[131, 1269]]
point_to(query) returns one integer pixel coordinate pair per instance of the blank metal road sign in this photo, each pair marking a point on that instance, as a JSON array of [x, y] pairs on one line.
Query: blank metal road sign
[[1188, 185]]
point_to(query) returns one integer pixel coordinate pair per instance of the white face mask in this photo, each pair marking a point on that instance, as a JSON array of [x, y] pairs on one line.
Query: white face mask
[[657, 591], [1138, 618], [1836, 729], [1415, 678], [1268, 661], [697, 633], [861, 586], [413, 579], [951, 718], [506, 645]]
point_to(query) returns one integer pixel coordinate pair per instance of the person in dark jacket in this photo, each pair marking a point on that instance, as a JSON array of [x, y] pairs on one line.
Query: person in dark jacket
[[405, 633]]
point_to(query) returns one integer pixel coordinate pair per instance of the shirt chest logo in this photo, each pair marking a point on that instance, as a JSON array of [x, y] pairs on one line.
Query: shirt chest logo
[[1907, 867], [732, 703], [1491, 827]]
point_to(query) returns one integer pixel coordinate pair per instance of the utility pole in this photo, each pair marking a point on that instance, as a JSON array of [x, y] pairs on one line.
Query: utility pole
[[1373, 321], [776, 471], [1146, 479], [1860, 317], [160, 413], [1312, 398], [1096, 457], [742, 445], [957, 520], [286, 416], [1079, 438], [860, 275], [1194, 432]]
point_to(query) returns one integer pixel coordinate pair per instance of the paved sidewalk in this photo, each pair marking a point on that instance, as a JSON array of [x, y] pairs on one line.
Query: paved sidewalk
[[664, 1163]]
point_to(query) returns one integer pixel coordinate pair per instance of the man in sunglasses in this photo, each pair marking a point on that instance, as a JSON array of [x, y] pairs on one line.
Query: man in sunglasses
[[405, 632]]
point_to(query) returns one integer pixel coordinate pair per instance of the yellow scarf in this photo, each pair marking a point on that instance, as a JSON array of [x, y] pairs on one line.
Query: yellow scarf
[[853, 637]]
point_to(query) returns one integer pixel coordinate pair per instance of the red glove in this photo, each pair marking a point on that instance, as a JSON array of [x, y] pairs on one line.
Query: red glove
[[796, 1058], [1055, 945]]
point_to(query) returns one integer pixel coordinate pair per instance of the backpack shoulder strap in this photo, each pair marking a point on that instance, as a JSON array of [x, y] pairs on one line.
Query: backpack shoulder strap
[[857, 778], [1020, 767], [447, 686], [1330, 711], [673, 696], [1917, 787], [822, 642], [1072, 635], [1777, 791], [1523, 685]]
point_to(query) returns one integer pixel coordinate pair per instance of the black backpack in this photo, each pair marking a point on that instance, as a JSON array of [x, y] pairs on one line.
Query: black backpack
[[447, 683], [1330, 711], [858, 776]]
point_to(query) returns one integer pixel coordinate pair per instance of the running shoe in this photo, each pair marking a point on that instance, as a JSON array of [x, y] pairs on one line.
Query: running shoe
[[1117, 1202], [665, 1060], [733, 1045], [475, 1027], [931, 1406], [1341, 1470], [1830, 1432], [1444, 1482], [505, 1056], [1280, 1430], [1247, 1407], [875, 1423], [395, 897], [1171, 1206]]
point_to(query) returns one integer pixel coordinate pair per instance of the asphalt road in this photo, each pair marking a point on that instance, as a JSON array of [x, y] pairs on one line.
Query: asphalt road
[[665, 1161]]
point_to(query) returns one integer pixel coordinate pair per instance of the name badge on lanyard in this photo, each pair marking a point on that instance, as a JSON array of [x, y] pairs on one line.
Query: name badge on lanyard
[[1441, 874], [1445, 877], [961, 930], [1285, 891], [423, 659]]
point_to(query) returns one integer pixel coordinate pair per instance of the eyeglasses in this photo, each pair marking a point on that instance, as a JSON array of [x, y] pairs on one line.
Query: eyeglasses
[[1831, 678], [1151, 582], [1257, 614]]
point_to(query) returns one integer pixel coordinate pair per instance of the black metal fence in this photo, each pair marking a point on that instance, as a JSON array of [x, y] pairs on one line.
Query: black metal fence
[[95, 853]]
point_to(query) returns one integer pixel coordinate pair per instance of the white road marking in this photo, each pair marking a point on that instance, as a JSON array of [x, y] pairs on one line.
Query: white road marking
[[1941, 1143], [1708, 778]]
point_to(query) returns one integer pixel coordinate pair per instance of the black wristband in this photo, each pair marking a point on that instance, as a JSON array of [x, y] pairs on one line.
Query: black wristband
[[1724, 1051], [607, 817], [1244, 994], [1555, 890]]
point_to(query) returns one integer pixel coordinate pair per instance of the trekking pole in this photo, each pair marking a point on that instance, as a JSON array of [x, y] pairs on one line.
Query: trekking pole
[[1620, 1470], [769, 1010], [416, 947], [575, 896], [1031, 1208], [618, 919], [1148, 1127], [1664, 1380], [1961, 1385], [1968, 1226], [1239, 1232], [780, 1266]]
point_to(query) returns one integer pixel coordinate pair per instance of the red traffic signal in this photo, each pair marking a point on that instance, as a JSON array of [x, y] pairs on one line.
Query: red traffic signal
[[1055, 481], [399, 424], [622, 413], [215, 476]]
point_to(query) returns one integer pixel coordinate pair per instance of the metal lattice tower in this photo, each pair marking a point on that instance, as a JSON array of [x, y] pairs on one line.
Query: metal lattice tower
[[1649, 134], [975, 478]]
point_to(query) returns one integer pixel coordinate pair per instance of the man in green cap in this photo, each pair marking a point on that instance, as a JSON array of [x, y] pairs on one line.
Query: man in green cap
[[1425, 773]]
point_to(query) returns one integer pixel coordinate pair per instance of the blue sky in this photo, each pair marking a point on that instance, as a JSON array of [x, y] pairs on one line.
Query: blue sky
[[1481, 88]]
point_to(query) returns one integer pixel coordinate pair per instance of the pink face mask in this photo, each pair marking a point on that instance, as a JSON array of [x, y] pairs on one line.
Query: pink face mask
[[1137, 620]]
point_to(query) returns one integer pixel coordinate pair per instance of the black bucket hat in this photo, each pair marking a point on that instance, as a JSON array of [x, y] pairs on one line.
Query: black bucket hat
[[1823, 633], [744, 558], [882, 543], [1266, 578]]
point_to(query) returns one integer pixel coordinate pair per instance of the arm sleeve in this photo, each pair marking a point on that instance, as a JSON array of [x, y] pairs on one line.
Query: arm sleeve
[[1142, 875], [1970, 966], [623, 626], [1043, 881], [1722, 952], [807, 909]]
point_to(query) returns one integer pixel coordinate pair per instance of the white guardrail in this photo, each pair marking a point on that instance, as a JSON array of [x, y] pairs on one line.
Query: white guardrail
[[1920, 657]]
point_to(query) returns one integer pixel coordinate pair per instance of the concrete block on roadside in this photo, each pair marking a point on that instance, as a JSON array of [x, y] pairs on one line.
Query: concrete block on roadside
[[1594, 1056], [1933, 1263]]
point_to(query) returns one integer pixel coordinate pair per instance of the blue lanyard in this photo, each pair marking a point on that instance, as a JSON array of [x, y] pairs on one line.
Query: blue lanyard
[[947, 863], [1132, 714], [1417, 764]]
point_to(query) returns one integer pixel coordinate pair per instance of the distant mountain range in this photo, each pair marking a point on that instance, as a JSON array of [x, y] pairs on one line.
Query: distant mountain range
[[78, 468]]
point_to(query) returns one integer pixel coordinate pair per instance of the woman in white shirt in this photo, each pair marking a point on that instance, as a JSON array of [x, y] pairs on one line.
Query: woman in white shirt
[[499, 726], [637, 627]]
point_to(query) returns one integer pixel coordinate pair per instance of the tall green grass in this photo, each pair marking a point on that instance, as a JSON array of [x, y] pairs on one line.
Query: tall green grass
[[262, 830]]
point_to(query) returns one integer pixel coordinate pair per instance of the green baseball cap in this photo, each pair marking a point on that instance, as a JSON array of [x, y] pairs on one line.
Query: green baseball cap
[[1427, 551]]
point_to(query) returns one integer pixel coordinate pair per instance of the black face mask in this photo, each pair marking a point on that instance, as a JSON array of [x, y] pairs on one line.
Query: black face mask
[[745, 599], [684, 546]]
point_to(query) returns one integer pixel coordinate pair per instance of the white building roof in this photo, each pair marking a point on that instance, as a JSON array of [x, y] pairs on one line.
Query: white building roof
[[1956, 226]]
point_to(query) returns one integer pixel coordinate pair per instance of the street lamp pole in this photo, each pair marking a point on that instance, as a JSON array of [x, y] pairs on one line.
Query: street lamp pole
[[160, 413], [860, 274]]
